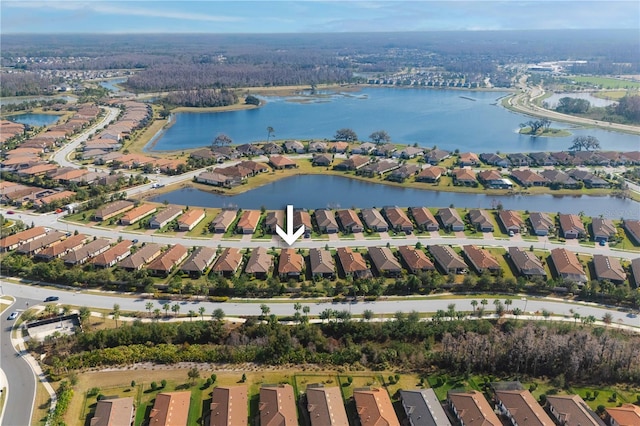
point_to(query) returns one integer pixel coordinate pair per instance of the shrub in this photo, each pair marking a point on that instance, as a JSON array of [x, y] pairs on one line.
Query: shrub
[[154, 386]]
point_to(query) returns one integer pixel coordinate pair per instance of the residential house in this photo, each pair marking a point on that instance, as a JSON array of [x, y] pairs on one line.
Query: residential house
[[300, 218], [374, 220], [397, 219], [424, 219], [590, 180], [112, 255], [228, 262], [571, 410], [466, 177], [472, 409], [112, 209], [481, 259], [378, 168], [260, 263], [11, 242], [355, 162], [222, 221], [190, 219], [214, 178], [416, 260], [272, 219], [450, 219], [228, 152], [61, 248], [526, 263], [423, 408], [562, 157], [481, 220], [82, 255], [571, 226], [326, 221], [447, 259], [511, 221], [323, 160], [295, 147], [350, 221], [519, 159], [290, 264], [353, 263], [317, 146], [633, 229], [229, 406], [271, 148], [559, 179], [280, 162], [248, 222], [35, 246], [277, 405], [64, 196], [608, 268], [145, 254], [235, 174], [521, 408], [542, 159], [404, 172], [168, 260], [410, 152], [325, 406], [495, 160], [384, 150], [165, 216], [134, 215], [635, 273], [527, 178], [468, 159], [385, 262], [322, 263], [254, 167], [430, 174], [170, 409], [374, 407], [567, 266], [492, 179], [541, 224], [249, 149], [602, 229], [436, 155], [365, 148], [111, 412], [198, 262], [339, 147], [625, 415]]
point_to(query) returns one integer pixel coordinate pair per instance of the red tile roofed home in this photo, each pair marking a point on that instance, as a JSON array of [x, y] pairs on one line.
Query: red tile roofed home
[[113, 412], [229, 406], [11, 242], [511, 221], [272, 219], [190, 219], [170, 409], [38, 170], [350, 221], [114, 255], [571, 410], [430, 174], [355, 162], [608, 268], [282, 162], [228, 262], [277, 406], [625, 415], [290, 264], [62, 195], [302, 217], [527, 178], [468, 159], [60, 249], [35, 246], [466, 177], [374, 407], [571, 226], [567, 265], [353, 263], [68, 175], [424, 219], [168, 260], [481, 259], [522, 408], [472, 409], [248, 222], [415, 260], [325, 406], [137, 213], [541, 223], [398, 219]]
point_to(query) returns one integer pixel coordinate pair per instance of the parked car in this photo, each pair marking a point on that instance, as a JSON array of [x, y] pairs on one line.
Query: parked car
[[10, 212], [13, 315], [603, 243], [52, 299], [511, 233]]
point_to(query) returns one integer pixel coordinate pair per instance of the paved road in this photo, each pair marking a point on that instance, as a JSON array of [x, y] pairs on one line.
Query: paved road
[[21, 379]]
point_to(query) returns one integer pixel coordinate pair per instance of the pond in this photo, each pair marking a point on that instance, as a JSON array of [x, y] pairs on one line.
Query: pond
[[553, 100], [450, 119], [38, 120], [111, 84], [318, 191]]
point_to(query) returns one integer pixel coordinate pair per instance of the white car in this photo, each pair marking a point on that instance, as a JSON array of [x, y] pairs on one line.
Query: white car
[[13, 315]]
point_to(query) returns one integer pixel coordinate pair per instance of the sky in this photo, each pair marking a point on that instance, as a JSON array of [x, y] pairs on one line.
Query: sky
[[302, 16]]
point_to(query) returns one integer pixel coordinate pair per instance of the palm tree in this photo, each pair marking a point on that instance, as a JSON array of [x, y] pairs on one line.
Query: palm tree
[[474, 303], [156, 313], [306, 309], [297, 306], [367, 314], [508, 303], [191, 314], [175, 309], [576, 317], [270, 131], [166, 306], [484, 302], [201, 310], [149, 306], [265, 309], [116, 313]]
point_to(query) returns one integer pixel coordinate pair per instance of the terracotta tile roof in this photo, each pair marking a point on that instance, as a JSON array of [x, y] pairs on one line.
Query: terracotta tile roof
[[566, 262], [170, 258], [23, 236], [464, 175], [349, 218], [302, 217], [326, 407], [510, 219], [290, 262], [481, 258], [281, 161], [260, 262], [397, 217], [114, 254], [170, 409], [625, 415], [113, 412], [277, 406], [190, 218], [528, 177], [374, 408], [432, 172], [137, 213], [423, 216], [571, 222], [228, 261], [249, 220], [229, 406], [489, 175], [415, 259], [473, 409], [57, 250], [523, 407], [608, 268], [351, 261]]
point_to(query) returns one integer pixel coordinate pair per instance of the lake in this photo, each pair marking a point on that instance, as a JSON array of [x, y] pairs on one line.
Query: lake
[[35, 119], [553, 100], [310, 191], [111, 84], [451, 119]]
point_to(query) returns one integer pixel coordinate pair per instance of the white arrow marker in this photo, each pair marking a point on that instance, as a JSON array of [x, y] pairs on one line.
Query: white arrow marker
[[290, 237]]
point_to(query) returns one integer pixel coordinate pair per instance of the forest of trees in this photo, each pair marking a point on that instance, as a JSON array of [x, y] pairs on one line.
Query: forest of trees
[[24, 84], [200, 98], [579, 351]]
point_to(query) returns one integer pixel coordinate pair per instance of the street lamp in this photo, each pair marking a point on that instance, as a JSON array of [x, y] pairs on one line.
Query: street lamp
[[525, 304]]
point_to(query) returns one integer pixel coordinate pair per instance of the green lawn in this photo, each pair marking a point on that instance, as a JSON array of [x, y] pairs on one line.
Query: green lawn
[[605, 82]]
